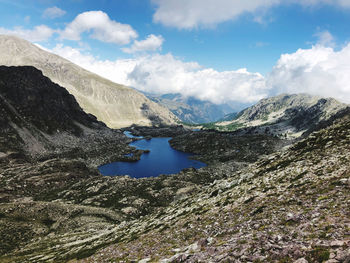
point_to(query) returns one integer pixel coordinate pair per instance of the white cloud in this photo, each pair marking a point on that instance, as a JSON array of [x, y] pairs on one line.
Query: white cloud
[[37, 34], [151, 43], [167, 74], [320, 71], [340, 3], [189, 14], [325, 38], [101, 27], [53, 12]]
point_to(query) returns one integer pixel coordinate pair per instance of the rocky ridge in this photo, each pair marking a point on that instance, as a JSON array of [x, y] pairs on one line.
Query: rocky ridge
[[39, 119], [284, 115], [114, 104]]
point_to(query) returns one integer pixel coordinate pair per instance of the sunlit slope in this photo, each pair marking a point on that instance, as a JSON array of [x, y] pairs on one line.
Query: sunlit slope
[[114, 104]]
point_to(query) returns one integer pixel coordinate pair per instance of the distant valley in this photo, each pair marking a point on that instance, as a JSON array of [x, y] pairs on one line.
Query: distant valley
[[194, 111]]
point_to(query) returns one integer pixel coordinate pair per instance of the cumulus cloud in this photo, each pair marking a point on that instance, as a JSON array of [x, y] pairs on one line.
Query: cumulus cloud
[[189, 14], [151, 43], [319, 70], [53, 12], [168, 74], [37, 34], [101, 27]]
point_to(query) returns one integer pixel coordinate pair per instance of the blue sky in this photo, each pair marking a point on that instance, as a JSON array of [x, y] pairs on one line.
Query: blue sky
[[191, 36]]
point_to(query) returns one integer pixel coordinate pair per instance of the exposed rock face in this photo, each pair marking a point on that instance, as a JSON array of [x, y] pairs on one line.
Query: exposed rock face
[[25, 92], [39, 118], [116, 105], [283, 115]]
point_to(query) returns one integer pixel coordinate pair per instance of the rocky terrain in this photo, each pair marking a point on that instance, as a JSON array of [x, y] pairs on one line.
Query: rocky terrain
[[54, 204], [284, 115], [114, 104], [292, 206], [260, 199], [39, 120]]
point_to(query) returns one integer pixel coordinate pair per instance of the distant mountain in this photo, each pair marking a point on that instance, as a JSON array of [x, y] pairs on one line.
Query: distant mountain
[[190, 109], [287, 115], [114, 104]]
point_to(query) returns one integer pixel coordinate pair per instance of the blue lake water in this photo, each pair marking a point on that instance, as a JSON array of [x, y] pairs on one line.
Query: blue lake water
[[162, 159]]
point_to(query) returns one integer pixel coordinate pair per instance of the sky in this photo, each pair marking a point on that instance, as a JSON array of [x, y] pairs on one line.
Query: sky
[[224, 51]]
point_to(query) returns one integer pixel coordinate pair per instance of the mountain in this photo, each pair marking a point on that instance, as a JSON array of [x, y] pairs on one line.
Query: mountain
[[114, 104], [190, 109], [287, 115], [38, 118], [256, 201]]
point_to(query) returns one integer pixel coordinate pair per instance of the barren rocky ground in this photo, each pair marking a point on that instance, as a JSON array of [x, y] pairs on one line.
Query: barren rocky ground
[[292, 206]]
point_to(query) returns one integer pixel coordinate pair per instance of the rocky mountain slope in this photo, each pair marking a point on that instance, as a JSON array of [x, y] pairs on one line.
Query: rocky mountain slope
[[292, 206], [116, 105], [283, 115], [190, 109], [54, 205], [39, 118]]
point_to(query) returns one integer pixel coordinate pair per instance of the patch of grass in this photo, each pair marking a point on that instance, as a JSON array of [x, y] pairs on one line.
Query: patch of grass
[[319, 254]]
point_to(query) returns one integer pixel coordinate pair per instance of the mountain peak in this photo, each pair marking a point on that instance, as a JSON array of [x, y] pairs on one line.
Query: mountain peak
[[114, 104], [285, 114]]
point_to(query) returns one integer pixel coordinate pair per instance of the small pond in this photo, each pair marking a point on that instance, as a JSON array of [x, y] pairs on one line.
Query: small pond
[[162, 159]]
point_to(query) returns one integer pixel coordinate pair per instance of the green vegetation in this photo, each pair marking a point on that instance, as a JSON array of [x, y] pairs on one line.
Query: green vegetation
[[230, 127]]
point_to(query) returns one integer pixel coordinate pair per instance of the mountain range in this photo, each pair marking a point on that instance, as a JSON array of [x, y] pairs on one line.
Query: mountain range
[[261, 198], [191, 110], [276, 188], [114, 104]]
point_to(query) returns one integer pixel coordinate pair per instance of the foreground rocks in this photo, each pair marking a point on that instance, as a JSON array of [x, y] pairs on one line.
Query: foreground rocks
[[290, 205]]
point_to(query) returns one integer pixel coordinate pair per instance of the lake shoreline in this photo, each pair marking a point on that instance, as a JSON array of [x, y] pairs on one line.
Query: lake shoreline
[[152, 157]]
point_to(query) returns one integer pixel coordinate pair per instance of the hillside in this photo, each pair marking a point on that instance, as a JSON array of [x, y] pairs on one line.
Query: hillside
[[292, 206], [115, 105], [283, 115], [39, 119]]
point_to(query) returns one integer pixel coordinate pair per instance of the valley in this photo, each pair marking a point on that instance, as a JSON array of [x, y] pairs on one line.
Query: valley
[[275, 188]]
